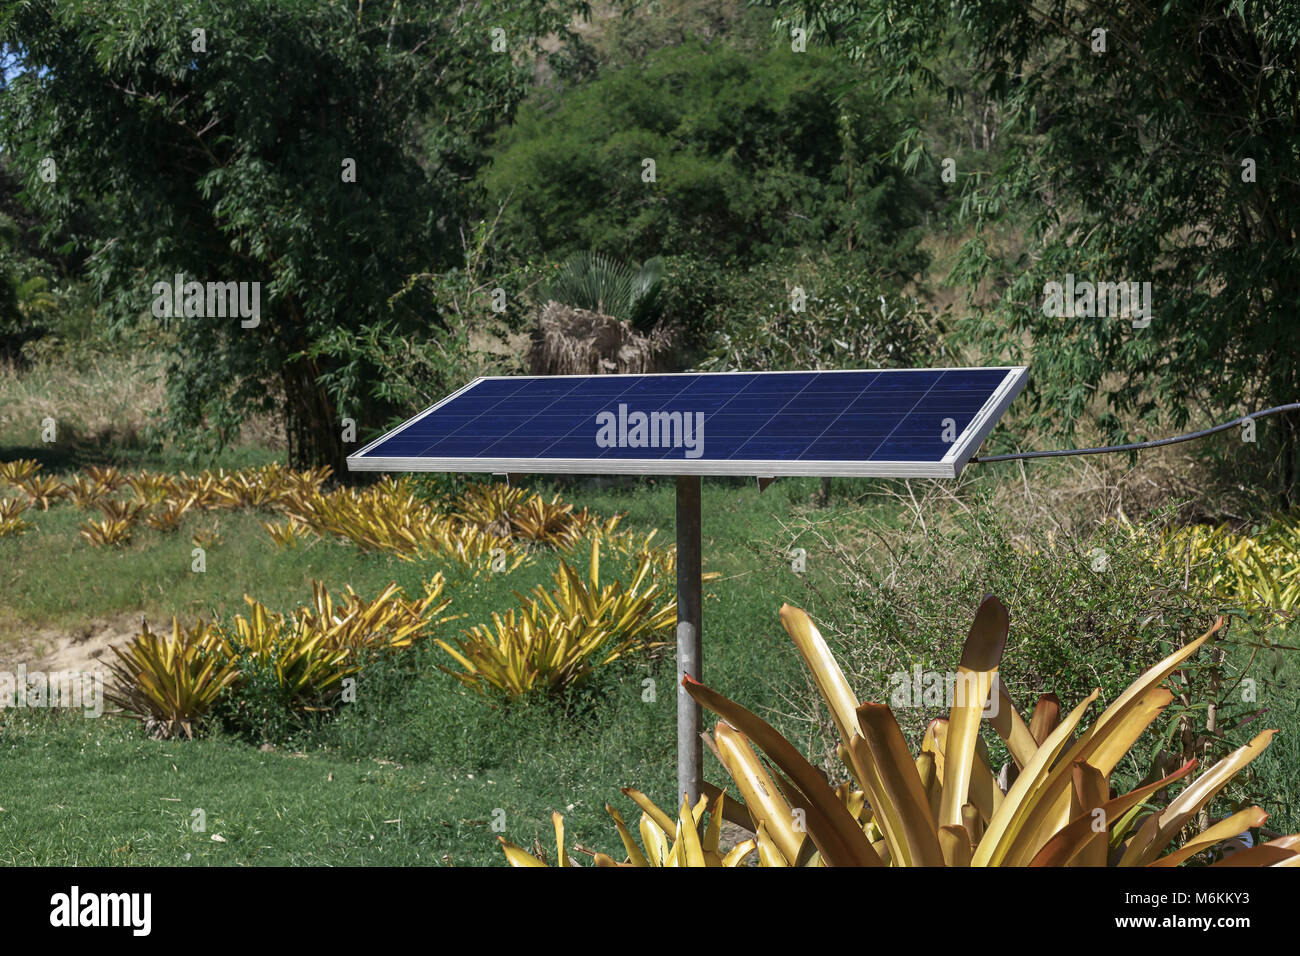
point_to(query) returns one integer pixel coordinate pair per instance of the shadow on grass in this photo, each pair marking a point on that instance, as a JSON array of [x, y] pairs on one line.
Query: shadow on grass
[[128, 449]]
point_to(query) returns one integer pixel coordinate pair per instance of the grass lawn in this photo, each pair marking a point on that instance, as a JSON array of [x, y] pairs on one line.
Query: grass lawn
[[418, 764]]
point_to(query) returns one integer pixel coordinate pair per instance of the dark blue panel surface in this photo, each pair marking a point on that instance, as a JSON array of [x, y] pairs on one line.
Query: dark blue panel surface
[[896, 415]]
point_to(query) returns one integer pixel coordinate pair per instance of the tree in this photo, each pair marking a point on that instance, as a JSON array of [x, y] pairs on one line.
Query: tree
[[319, 149], [1144, 142], [709, 151], [29, 276]]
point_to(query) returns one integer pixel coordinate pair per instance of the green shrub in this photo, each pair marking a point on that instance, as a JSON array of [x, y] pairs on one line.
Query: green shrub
[[259, 712], [755, 154], [849, 319], [1087, 612]]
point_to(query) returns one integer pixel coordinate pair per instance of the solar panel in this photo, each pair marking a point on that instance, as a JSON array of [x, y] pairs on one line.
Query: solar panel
[[895, 422]]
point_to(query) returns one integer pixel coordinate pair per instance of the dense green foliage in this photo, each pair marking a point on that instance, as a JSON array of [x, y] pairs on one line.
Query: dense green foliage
[[29, 302], [227, 157], [1067, 159], [819, 313], [753, 154], [904, 605]]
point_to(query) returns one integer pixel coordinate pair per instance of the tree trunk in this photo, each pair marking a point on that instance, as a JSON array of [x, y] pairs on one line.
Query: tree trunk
[[311, 425], [311, 422]]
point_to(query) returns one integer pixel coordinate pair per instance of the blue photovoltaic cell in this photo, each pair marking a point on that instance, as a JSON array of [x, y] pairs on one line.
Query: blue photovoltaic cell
[[903, 421]]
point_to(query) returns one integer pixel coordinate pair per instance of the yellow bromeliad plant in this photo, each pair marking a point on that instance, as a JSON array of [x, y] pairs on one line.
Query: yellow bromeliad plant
[[43, 490], [551, 522], [390, 517], [386, 517], [388, 621], [107, 478], [477, 551], [305, 664], [510, 512], [944, 806], [110, 532], [258, 488], [1259, 570], [313, 649], [84, 492], [489, 507], [559, 636], [150, 487], [18, 470], [286, 534], [11, 521], [686, 841], [167, 519], [175, 680], [172, 681]]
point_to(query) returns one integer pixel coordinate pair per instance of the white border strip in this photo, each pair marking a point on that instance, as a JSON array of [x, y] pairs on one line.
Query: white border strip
[[353, 458], [969, 441], [962, 450]]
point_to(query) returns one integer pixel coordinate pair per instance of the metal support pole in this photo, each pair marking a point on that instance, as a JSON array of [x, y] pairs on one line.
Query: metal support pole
[[690, 748]]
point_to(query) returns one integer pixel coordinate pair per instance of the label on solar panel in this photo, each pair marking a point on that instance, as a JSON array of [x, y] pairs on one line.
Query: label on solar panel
[[895, 422]]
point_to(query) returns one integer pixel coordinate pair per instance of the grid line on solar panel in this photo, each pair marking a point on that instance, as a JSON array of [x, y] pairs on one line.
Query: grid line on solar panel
[[577, 385], [841, 414], [607, 450], [885, 440], [790, 401]]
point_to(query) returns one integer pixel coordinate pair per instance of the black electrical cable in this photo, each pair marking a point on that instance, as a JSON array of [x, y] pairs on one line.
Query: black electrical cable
[[1062, 453]]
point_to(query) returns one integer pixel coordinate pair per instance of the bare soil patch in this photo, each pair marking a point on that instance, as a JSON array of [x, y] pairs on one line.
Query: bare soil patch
[[83, 647]]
